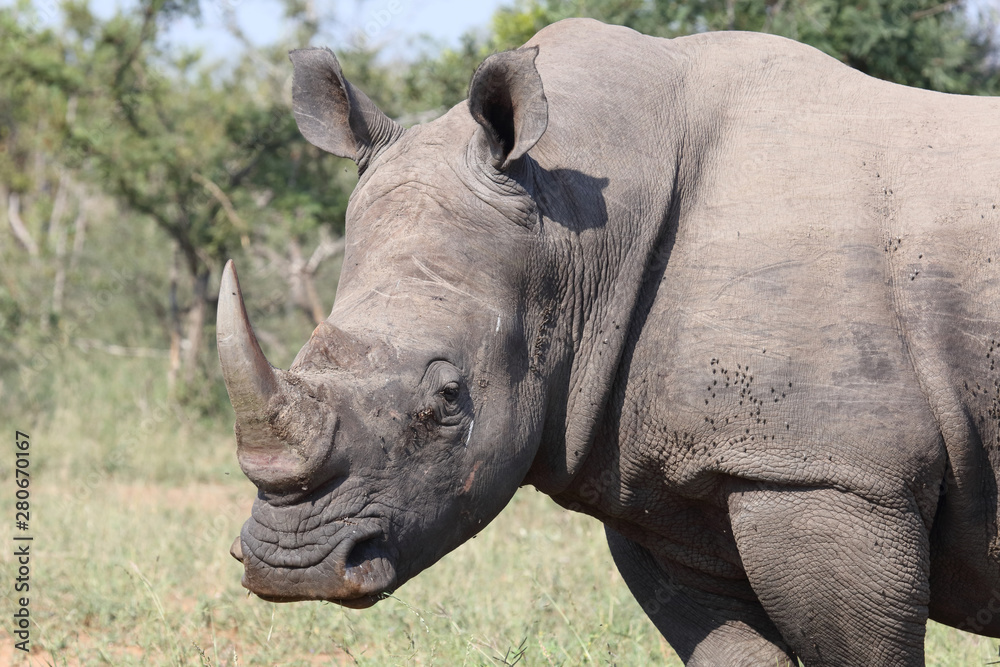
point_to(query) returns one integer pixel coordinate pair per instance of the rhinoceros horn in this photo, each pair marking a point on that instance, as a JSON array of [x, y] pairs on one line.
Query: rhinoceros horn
[[250, 379]]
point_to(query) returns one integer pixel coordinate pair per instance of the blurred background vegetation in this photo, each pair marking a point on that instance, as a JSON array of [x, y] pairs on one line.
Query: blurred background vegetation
[[131, 169]]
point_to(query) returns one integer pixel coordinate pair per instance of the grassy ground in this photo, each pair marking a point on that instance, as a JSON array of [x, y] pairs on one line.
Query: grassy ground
[[133, 511], [140, 575]]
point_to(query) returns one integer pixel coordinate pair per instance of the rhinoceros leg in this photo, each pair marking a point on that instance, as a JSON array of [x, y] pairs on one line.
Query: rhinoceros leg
[[704, 629], [845, 580]]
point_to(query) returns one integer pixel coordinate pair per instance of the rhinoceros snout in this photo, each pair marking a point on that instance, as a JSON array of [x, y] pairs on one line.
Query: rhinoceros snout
[[347, 561]]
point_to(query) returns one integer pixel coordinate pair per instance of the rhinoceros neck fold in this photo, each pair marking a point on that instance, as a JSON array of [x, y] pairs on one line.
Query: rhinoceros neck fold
[[605, 309], [599, 344], [620, 218]]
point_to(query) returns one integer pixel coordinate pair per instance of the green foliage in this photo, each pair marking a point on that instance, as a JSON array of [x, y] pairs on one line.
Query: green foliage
[[33, 86], [512, 26], [441, 80], [139, 133], [192, 154]]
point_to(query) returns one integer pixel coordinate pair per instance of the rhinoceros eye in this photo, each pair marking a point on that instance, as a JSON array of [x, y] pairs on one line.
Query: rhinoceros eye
[[449, 409], [449, 396], [450, 392]]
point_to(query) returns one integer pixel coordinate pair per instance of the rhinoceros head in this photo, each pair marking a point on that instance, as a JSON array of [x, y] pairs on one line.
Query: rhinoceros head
[[415, 411]]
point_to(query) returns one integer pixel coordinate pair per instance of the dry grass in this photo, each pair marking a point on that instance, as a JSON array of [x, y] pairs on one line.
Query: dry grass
[[140, 574]]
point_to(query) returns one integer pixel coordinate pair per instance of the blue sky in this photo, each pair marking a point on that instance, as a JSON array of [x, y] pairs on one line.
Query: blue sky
[[393, 24]]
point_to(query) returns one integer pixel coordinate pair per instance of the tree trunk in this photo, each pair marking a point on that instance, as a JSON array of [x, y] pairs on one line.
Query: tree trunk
[[58, 206], [301, 284], [301, 273], [57, 238], [327, 248], [313, 298], [175, 328], [79, 232], [17, 225], [59, 285], [196, 324]]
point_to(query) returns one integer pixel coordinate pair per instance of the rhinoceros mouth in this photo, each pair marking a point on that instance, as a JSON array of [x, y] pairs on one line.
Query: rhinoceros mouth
[[347, 560]]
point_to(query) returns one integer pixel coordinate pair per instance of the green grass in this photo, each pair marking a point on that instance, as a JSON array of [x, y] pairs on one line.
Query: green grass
[[134, 507], [140, 574]]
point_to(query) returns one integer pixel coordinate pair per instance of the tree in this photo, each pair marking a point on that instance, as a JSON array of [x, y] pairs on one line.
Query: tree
[[38, 195], [101, 108], [216, 162]]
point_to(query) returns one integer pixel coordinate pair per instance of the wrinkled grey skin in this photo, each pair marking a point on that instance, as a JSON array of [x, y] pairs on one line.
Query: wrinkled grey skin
[[725, 294]]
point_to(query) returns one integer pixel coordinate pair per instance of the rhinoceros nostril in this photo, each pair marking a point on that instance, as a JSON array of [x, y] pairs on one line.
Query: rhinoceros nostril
[[236, 551], [357, 551], [363, 552]]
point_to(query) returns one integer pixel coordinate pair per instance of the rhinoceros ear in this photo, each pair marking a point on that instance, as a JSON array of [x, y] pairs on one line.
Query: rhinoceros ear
[[506, 98], [334, 115]]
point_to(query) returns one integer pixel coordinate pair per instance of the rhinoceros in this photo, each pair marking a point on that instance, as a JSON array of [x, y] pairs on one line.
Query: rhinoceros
[[734, 299]]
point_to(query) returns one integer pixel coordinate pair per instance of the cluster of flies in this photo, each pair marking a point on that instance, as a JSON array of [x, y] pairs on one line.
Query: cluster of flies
[[747, 399]]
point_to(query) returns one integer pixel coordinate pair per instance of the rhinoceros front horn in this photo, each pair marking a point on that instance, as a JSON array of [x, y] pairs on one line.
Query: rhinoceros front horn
[[250, 379]]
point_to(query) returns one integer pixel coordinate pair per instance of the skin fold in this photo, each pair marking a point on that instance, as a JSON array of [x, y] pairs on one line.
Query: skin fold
[[725, 294]]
